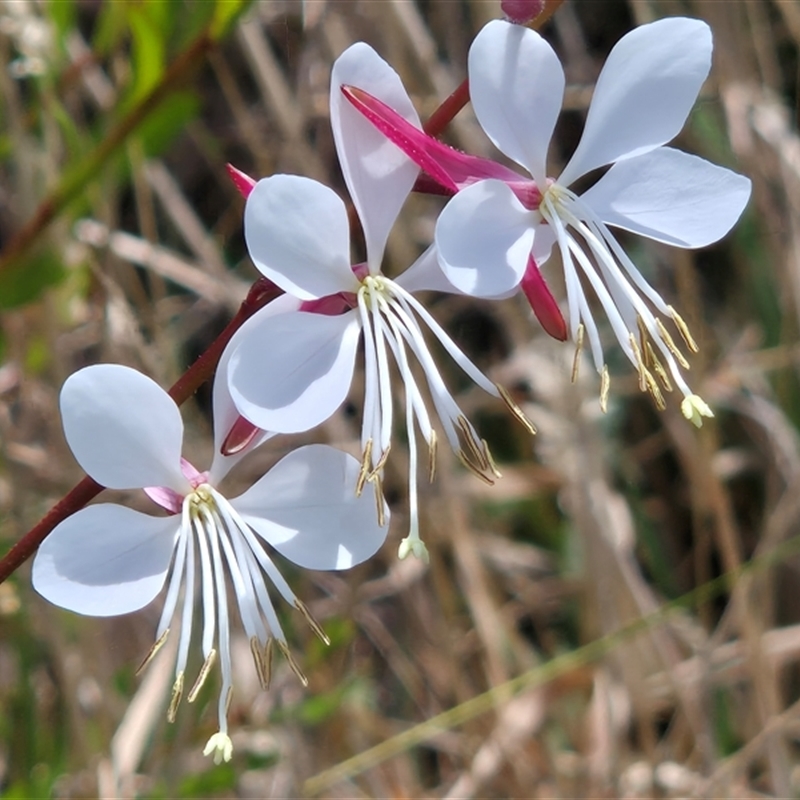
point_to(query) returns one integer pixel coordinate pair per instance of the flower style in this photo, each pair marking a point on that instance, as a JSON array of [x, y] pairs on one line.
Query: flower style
[[297, 234], [106, 559], [496, 232]]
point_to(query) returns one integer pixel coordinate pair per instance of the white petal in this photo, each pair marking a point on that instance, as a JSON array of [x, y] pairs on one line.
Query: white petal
[[225, 411], [516, 85], [307, 509], [644, 93], [298, 236], [378, 174], [105, 560], [425, 275], [484, 236], [124, 429], [670, 196], [543, 241], [294, 370]]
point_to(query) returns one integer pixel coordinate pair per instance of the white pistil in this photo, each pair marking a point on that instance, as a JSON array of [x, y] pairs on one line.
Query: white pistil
[[220, 746]]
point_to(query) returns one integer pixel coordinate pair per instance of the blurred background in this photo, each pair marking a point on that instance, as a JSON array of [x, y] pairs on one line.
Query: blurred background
[[121, 240]]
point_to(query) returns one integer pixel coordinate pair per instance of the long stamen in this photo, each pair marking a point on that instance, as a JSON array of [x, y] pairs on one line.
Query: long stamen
[[578, 307], [202, 675], [384, 381], [516, 410], [446, 407], [157, 645], [364, 469], [171, 601], [684, 330], [408, 301], [670, 343], [258, 660], [218, 540], [576, 361], [284, 648], [312, 623], [188, 608], [209, 621], [432, 448], [370, 427]]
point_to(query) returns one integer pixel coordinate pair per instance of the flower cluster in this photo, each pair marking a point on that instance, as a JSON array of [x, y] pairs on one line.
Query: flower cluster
[[291, 365]]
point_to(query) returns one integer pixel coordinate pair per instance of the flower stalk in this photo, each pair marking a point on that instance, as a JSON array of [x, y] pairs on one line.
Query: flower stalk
[[261, 293]]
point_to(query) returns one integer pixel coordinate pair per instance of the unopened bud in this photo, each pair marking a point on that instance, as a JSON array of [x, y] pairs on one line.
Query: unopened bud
[[521, 12], [243, 182]]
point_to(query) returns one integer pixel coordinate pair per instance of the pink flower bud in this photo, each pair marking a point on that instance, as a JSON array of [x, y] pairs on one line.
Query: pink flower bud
[[521, 12], [243, 182]]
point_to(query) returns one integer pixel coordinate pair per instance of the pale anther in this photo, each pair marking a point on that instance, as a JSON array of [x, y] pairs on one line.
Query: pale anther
[[157, 645], [201, 678], [312, 623], [670, 343], [462, 457], [364, 471], [284, 648], [605, 385], [516, 410], [684, 330], [432, 447], [576, 361], [258, 660], [175, 699]]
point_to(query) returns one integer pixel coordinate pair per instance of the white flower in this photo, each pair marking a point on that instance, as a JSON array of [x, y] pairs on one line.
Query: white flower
[[126, 433], [291, 371], [489, 230]]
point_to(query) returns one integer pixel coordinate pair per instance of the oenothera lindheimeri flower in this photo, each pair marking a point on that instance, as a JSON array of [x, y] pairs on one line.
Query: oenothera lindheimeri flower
[[494, 231], [126, 433], [291, 371]]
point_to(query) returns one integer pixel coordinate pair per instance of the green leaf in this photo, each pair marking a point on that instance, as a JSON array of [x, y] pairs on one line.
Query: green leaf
[[26, 280], [216, 779], [149, 32], [62, 14], [164, 125], [226, 12]]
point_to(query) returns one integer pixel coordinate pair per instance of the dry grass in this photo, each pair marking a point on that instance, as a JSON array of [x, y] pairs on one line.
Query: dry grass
[[560, 573]]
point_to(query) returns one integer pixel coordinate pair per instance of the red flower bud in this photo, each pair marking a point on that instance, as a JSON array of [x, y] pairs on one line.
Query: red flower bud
[[520, 12]]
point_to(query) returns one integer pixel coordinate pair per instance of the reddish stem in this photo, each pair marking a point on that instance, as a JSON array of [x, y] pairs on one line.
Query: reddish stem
[[443, 115], [261, 292]]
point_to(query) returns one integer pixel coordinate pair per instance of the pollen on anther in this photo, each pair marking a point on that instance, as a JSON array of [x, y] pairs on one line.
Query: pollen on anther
[[175, 699], [312, 623], [284, 648], [576, 361], [157, 645], [605, 386], [364, 469], [514, 408], [432, 447], [258, 660], [684, 330], [201, 678]]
